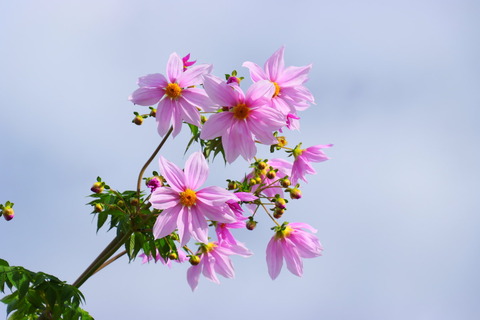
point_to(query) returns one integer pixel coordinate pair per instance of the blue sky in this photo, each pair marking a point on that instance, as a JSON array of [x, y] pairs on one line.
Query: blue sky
[[396, 87]]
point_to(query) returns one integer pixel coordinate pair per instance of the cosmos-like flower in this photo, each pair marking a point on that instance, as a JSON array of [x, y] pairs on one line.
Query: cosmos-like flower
[[176, 94], [214, 259], [303, 157], [244, 119], [290, 94], [291, 243], [186, 209]]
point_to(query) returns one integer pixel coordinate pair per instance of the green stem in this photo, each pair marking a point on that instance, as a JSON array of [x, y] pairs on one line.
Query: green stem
[[140, 175], [112, 247]]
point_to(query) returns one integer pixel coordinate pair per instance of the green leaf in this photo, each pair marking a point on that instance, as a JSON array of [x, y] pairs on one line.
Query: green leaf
[[102, 217], [4, 263]]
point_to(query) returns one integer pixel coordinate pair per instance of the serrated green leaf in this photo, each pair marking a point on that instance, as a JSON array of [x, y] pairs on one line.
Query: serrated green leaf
[[102, 217]]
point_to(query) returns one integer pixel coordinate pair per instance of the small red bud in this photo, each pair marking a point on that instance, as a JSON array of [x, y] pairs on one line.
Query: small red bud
[[97, 187], [251, 224], [295, 193], [281, 203], [8, 213]]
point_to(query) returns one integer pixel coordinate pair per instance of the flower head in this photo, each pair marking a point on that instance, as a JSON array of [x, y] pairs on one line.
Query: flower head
[[303, 157], [184, 207], [246, 117], [291, 243], [290, 94], [214, 259], [176, 94]]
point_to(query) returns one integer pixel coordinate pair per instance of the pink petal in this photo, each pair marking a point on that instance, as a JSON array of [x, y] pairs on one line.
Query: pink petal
[[216, 125], [274, 65], [153, 80], [175, 177], [193, 75], [220, 93], [256, 73], [260, 89], [208, 268], [146, 96], [164, 116], [164, 198], [196, 170], [193, 275], [292, 258], [166, 222], [198, 97], [174, 67], [199, 226], [223, 264], [294, 76], [184, 225], [274, 258], [189, 113], [177, 118]]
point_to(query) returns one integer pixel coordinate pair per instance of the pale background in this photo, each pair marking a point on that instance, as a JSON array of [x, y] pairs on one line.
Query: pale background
[[397, 209]]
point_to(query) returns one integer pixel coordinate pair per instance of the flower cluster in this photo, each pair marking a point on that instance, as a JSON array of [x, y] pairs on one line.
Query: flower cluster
[[226, 119]]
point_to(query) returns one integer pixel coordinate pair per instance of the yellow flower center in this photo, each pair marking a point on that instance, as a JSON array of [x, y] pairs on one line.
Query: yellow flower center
[[188, 198], [297, 152], [173, 90], [208, 247], [241, 111], [285, 233], [277, 89]]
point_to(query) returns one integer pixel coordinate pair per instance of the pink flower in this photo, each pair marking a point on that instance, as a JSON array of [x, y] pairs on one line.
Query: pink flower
[[291, 243], [176, 95], [303, 157], [214, 259], [187, 63], [245, 118], [186, 209], [290, 94]]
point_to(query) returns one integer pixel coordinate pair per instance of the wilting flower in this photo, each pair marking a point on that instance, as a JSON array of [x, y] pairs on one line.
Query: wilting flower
[[186, 209], [214, 259], [177, 96], [291, 243], [246, 117], [290, 94], [303, 157]]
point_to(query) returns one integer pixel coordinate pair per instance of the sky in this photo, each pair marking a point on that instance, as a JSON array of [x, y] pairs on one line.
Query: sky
[[396, 208]]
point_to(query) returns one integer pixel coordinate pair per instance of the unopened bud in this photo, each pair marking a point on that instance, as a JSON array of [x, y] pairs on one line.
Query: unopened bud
[[97, 187], [194, 260], [285, 182], [98, 207], [251, 224], [121, 203], [261, 165], [271, 174], [172, 256], [232, 185], [134, 202], [138, 120], [281, 203], [8, 213], [277, 213], [153, 112], [295, 193], [203, 119], [252, 182], [258, 179], [281, 141]]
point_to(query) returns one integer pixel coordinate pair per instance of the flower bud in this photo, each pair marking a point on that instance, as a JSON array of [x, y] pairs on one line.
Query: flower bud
[[295, 193], [285, 182], [233, 79], [258, 179], [97, 187], [261, 165], [282, 141], [252, 182], [277, 213], [194, 260], [251, 224], [138, 120], [8, 213], [172, 256], [203, 119], [121, 203], [232, 185], [280, 203], [154, 183], [153, 112], [134, 202], [98, 207], [271, 174]]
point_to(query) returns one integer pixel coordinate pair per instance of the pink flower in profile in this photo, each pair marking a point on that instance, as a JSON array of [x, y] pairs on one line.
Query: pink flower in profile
[[245, 117], [291, 243], [214, 259], [177, 96], [303, 157], [290, 94], [187, 63], [186, 209], [182, 257]]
